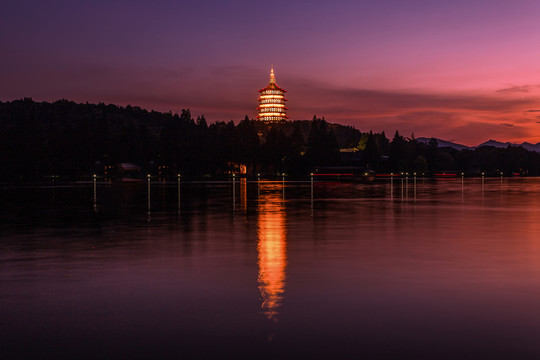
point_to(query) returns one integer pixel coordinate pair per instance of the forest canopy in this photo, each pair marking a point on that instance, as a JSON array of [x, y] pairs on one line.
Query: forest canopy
[[71, 140]]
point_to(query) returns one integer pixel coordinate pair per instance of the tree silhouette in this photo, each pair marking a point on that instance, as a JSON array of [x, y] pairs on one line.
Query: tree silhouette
[[73, 141]]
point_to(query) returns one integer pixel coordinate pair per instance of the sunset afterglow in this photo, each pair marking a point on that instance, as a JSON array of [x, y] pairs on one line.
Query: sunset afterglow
[[286, 180], [465, 71]]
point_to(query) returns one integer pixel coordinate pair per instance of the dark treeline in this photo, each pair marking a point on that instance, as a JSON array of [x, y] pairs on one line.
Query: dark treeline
[[70, 140], [403, 154]]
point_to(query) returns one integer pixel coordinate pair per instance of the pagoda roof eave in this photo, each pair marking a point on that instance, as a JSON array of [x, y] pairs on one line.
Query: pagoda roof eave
[[262, 116], [272, 87]]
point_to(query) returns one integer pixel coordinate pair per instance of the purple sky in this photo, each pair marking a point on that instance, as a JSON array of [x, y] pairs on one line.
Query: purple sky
[[459, 70]]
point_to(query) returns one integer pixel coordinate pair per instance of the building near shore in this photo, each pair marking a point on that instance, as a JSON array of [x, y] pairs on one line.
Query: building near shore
[[272, 107]]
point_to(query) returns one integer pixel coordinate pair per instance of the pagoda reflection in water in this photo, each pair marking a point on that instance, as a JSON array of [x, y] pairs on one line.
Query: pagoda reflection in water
[[272, 249]]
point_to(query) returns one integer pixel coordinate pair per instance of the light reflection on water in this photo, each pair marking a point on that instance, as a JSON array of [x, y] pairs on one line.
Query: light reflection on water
[[443, 270], [272, 249]]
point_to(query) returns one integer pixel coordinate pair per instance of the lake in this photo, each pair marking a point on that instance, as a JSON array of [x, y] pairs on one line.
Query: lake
[[425, 269]]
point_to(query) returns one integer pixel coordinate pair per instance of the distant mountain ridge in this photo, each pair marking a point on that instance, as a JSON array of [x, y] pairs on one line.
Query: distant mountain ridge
[[494, 143], [444, 143]]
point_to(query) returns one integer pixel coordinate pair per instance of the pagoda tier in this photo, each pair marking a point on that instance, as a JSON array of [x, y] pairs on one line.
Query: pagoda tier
[[272, 102]]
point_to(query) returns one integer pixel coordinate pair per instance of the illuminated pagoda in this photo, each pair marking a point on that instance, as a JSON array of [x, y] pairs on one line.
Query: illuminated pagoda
[[272, 102]]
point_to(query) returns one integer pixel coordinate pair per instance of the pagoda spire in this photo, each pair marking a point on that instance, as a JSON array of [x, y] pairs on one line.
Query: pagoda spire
[[272, 77]]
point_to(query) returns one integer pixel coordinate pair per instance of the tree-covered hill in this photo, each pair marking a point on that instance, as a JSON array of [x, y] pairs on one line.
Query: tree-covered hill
[[71, 140], [74, 141]]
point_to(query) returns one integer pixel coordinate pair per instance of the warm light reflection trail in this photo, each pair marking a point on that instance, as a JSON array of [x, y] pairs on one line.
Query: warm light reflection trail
[[272, 250]]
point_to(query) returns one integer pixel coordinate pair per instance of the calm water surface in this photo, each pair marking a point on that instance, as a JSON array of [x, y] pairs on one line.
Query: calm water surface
[[442, 271]]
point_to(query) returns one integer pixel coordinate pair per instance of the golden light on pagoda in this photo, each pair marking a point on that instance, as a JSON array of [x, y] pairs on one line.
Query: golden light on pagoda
[[272, 102], [272, 249]]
